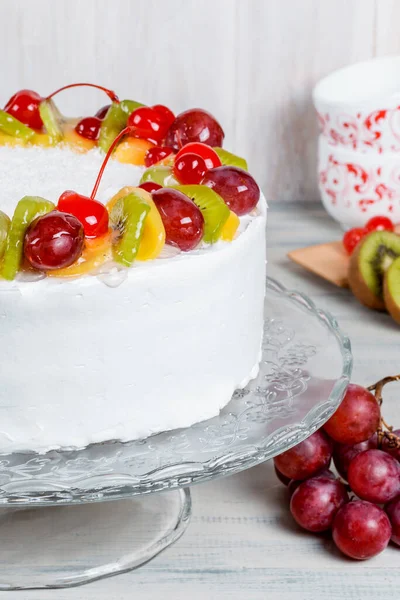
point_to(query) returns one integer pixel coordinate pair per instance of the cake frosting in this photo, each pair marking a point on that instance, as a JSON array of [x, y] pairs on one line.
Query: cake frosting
[[123, 353]]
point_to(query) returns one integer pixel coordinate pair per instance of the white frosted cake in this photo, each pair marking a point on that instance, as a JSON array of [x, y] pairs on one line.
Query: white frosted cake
[[137, 332]]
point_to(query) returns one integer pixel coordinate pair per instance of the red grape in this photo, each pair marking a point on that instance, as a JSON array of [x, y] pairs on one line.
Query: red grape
[[183, 220], [89, 128], [361, 530], [356, 419], [343, 454], [282, 478], [379, 223], [307, 458], [374, 476], [155, 154], [101, 113], [24, 106], [194, 125], [294, 484], [150, 186], [92, 214], [211, 158], [53, 241], [392, 450], [316, 501], [393, 512], [352, 237], [190, 168], [237, 187]]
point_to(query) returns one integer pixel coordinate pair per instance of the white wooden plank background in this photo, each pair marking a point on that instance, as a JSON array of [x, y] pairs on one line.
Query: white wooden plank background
[[251, 62]]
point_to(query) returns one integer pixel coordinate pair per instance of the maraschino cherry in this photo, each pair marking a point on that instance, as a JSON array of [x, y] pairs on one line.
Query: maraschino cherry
[[155, 154], [24, 106], [151, 122]]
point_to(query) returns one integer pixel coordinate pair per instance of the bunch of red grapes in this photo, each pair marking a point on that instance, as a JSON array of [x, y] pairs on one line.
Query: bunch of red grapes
[[361, 507]]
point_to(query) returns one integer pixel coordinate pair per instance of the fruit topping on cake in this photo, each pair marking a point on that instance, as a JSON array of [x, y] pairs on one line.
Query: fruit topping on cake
[[191, 193]]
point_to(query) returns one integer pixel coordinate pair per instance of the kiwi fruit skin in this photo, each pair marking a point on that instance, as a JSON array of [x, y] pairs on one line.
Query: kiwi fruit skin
[[357, 282], [392, 301]]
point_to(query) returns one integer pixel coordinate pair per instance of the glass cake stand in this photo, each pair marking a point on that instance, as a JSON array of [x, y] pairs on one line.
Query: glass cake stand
[[56, 528]]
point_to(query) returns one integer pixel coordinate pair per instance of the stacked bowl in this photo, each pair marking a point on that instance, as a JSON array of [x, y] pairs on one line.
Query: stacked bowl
[[359, 144]]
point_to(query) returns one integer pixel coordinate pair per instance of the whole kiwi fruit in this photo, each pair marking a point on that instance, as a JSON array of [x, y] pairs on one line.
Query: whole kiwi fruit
[[368, 264]]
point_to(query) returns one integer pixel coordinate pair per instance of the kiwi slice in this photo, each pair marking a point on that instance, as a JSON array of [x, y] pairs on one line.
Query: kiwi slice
[[368, 264], [161, 174], [52, 120], [115, 121], [11, 126], [128, 217], [4, 227], [391, 289], [26, 211], [231, 160], [214, 209]]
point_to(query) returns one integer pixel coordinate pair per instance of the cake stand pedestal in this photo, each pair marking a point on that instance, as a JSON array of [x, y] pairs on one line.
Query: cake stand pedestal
[[58, 526]]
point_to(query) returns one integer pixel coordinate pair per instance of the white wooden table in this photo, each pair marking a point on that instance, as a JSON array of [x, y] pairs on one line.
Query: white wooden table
[[242, 543]]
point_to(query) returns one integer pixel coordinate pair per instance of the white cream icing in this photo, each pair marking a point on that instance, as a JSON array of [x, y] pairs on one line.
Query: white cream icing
[[84, 362]]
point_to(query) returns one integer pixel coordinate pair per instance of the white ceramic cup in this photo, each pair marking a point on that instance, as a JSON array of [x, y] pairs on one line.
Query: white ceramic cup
[[359, 106], [356, 186]]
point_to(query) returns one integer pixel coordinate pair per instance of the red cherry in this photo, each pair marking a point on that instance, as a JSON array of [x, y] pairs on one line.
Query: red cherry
[[352, 237], [194, 125], [190, 168], [148, 124], [101, 113], [89, 128], [167, 116], [211, 158], [92, 214], [24, 106], [183, 220], [379, 224], [155, 154], [53, 241], [150, 186]]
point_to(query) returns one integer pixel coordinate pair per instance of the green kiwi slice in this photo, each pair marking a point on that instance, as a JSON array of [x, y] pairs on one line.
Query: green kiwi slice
[[214, 209], [128, 217], [368, 264], [11, 126], [52, 120], [115, 121], [391, 289], [231, 160], [4, 227], [26, 211], [161, 174]]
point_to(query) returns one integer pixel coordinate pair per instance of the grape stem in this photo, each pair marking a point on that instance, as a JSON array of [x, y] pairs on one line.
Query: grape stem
[[385, 430], [116, 141], [112, 95]]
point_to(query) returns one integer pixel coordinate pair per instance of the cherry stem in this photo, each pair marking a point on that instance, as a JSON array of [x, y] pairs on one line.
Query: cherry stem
[[385, 430], [116, 141], [112, 95]]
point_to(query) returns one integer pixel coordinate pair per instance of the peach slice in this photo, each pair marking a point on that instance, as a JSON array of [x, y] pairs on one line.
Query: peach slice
[[132, 151], [96, 252], [76, 142], [230, 228]]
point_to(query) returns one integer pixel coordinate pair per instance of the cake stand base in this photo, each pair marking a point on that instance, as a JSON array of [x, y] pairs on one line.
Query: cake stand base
[[63, 546]]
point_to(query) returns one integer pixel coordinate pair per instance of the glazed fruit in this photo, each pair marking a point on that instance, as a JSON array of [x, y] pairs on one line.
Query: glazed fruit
[[316, 501], [160, 174], [127, 219], [356, 419], [92, 214], [101, 113], [150, 186], [183, 220], [51, 120], [238, 189], [189, 168], [361, 530], [96, 252], [368, 263], [112, 124], [379, 223], [232, 160], [89, 128], [53, 241], [207, 153], [213, 208], [352, 237], [231, 226], [375, 476], [156, 154], [13, 127], [24, 106], [194, 125], [4, 228], [132, 151], [307, 458], [343, 454], [26, 211], [150, 122]]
